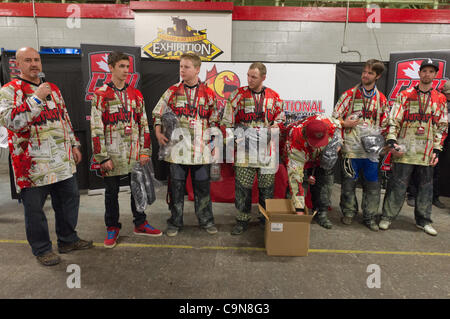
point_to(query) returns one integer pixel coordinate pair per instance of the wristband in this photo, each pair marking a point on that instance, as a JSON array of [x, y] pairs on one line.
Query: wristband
[[36, 99]]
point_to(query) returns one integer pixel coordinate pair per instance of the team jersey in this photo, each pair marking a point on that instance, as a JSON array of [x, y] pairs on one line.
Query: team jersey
[[196, 110], [247, 109], [119, 128], [373, 113], [40, 134], [300, 155], [419, 122]]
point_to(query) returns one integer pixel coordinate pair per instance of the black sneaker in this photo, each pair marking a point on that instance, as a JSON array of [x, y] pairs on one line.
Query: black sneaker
[[411, 201], [438, 203], [49, 259], [78, 245], [239, 228]]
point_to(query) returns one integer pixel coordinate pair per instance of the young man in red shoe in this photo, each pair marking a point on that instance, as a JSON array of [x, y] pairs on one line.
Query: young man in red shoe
[[120, 137]]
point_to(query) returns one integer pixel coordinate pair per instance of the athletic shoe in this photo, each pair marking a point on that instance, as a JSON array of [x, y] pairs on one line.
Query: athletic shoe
[[147, 230], [384, 224], [111, 237], [438, 203], [172, 232], [211, 230], [428, 229]]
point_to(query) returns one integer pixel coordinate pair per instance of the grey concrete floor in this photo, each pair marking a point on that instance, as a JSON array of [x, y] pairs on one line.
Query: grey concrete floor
[[198, 265]]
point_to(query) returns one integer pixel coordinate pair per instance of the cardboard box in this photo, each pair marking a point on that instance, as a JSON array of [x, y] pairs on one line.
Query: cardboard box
[[286, 234]]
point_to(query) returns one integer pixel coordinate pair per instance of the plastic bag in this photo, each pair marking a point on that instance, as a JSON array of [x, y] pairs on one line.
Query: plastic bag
[[143, 185], [330, 153], [169, 122], [372, 141]]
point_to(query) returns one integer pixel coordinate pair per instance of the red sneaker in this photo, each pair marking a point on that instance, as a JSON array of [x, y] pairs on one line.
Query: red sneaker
[[111, 237], [147, 230]]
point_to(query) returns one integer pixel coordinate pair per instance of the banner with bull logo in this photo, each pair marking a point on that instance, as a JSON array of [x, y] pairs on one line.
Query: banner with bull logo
[[404, 70], [167, 35], [94, 63]]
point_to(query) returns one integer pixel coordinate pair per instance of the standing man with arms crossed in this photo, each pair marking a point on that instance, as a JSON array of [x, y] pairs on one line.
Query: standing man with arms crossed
[[120, 138], [253, 107], [44, 153], [361, 106], [418, 120], [194, 104]]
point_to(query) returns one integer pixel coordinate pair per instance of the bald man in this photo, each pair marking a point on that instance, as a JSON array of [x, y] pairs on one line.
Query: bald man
[[44, 153]]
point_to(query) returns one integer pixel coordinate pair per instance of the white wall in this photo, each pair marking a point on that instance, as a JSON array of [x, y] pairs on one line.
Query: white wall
[[252, 40]]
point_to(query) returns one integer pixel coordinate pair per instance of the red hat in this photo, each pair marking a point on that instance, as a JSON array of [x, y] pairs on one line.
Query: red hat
[[316, 133]]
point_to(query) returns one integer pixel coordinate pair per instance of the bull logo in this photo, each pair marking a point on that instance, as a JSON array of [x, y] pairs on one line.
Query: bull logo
[[179, 39]]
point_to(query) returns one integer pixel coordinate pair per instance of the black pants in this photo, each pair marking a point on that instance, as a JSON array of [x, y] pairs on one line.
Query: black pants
[[112, 185], [200, 177]]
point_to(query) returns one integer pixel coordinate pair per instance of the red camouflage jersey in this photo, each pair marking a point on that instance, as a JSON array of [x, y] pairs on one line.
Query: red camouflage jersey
[[40, 134], [300, 155]]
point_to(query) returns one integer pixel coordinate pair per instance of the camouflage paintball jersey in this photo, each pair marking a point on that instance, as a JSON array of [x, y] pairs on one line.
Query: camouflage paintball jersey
[[418, 121], [373, 112], [40, 134], [300, 155], [197, 113], [247, 109], [119, 128]]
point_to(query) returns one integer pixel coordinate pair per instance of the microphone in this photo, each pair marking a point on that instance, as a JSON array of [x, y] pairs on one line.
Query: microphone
[[41, 76]]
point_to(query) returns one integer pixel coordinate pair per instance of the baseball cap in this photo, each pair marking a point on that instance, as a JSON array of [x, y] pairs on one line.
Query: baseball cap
[[429, 62], [446, 87], [316, 133]]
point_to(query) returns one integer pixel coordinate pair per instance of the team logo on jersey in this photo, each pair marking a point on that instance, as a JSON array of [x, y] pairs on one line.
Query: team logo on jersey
[[222, 83], [407, 75], [179, 39], [100, 74]]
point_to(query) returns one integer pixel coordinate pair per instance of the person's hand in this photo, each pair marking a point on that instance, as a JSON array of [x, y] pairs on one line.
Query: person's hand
[[107, 166], [396, 151], [77, 157], [43, 91], [350, 122], [311, 180], [144, 159], [434, 160], [162, 139]]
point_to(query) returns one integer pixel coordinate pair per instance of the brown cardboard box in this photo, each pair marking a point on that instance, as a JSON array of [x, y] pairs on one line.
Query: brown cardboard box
[[286, 234]]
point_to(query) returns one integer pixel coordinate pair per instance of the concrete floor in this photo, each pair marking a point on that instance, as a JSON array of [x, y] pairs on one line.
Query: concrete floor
[[198, 265]]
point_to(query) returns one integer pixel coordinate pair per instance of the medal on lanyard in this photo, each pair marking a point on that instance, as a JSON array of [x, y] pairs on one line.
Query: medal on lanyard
[[366, 108], [127, 129], [422, 111], [193, 122]]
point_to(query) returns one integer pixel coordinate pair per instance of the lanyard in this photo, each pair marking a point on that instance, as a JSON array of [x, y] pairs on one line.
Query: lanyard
[[364, 96], [119, 95], [188, 97], [422, 110], [258, 104]]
